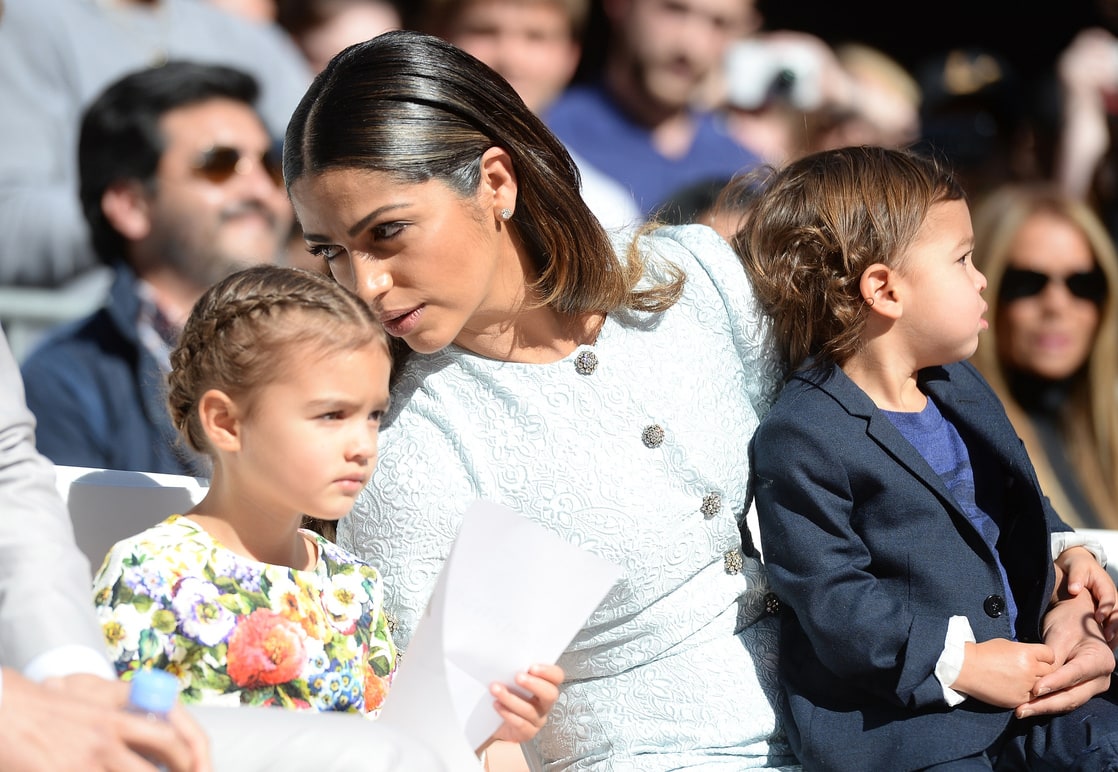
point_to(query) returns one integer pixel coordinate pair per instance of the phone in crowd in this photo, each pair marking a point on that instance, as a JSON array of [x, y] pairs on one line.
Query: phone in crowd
[[759, 71]]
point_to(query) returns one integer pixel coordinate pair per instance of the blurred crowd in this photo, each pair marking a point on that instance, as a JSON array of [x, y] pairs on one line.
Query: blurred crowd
[[660, 105], [124, 198]]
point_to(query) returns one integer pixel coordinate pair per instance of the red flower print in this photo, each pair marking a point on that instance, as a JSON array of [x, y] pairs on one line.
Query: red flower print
[[266, 649], [376, 689]]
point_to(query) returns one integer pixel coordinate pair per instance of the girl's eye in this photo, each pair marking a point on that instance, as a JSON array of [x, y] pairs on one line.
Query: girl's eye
[[331, 416], [376, 415]]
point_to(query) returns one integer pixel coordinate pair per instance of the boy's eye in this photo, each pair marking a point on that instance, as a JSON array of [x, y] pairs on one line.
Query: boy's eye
[[376, 415]]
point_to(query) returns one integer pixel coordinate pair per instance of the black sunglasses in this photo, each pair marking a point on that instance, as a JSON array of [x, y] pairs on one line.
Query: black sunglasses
[[220, 163], [1086, 285]]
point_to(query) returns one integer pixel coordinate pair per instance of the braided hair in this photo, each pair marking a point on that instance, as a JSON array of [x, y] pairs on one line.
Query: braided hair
[[241, 329]]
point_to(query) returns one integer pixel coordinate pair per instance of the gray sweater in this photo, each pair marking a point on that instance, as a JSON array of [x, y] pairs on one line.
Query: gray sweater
[[55, 57]]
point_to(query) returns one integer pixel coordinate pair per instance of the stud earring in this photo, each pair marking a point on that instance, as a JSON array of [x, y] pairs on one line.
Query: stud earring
[[506, 214]]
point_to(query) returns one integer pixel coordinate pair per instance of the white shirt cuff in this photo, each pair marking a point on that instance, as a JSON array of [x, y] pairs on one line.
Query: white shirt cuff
[[950, 662], [67, 660], [1063, 540]]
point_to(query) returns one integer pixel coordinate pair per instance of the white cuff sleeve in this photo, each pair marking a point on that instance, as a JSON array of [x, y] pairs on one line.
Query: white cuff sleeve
[[959, 633], [66, 660], [1067, 539]]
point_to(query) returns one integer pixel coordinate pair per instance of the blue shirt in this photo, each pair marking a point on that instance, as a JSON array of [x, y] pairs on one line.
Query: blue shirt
[[593, 125]]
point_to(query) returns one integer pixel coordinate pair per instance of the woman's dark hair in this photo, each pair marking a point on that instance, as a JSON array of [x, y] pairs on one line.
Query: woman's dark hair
[[414, 107]]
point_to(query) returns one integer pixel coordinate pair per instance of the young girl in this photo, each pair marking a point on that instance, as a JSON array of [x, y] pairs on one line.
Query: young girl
[[281, 377], [900, 518]]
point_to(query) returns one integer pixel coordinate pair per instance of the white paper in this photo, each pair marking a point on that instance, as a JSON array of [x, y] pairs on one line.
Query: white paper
[[510, 595]]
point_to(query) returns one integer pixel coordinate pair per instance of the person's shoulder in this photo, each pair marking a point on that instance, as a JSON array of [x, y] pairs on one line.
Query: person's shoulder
[[71, 344], [580, 95], [174, 530], [959, 375], [577, 104], [694, 249], [151, 547], [339, 560], [803, 395], [244, 42]]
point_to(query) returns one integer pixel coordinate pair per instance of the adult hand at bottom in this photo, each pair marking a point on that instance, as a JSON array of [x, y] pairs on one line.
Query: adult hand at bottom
[[80, 722], [1084, 661]]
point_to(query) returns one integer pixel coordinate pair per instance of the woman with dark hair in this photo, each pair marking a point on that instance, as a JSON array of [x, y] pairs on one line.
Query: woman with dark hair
[[607, 392]]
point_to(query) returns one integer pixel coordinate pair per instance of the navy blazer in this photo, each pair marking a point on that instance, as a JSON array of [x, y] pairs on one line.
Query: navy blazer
[[98, 395], [871, 555]]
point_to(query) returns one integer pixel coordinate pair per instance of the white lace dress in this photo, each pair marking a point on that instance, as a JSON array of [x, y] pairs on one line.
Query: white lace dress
[[635, 448]]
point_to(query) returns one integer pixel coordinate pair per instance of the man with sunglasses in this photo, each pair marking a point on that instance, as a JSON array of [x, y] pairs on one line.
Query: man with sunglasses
[[180, 186]]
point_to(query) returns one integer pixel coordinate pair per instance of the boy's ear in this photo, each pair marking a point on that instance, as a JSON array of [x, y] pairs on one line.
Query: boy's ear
[[879, 290], [221, 420]]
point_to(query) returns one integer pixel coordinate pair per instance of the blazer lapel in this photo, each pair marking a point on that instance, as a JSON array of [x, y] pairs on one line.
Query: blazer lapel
[[966, 402], [881, 430]]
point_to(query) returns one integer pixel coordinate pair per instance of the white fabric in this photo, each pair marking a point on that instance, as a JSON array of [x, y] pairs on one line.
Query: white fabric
[[657, 679], [67, 660], [1067, 539], [950, 663]]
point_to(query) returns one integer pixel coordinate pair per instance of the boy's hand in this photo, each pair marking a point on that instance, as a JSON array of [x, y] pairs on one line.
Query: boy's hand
[[1082, 571], [1002, 672], [524, 717]]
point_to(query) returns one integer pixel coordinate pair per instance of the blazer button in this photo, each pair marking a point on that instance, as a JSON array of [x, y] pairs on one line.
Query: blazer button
[[994, 606]]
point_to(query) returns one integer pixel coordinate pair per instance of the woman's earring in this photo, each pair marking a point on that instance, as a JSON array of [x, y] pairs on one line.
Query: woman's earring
[[506, 214], [869, 301]]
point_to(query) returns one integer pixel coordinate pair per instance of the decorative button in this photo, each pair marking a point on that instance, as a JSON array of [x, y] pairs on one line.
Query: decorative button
[[733, 561], [652, 436], [772, 604], [994, 606], [585, 362], [712, 505]]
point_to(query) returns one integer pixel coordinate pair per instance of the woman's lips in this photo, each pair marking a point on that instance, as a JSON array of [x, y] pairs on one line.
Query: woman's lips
[[401, 324]]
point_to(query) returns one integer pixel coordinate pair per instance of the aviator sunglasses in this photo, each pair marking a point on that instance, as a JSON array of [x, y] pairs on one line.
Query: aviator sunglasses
[[1086, 285], [220, 163]]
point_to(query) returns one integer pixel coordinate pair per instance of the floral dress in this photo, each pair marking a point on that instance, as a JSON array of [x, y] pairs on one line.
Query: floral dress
[[238, 631]]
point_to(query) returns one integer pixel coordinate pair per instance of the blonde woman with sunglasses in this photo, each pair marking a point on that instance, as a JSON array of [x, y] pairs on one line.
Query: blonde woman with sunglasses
[[1052, 349]]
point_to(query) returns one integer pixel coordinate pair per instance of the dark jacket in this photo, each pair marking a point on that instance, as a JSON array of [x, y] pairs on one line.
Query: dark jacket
[[871, 555], [98, 395]]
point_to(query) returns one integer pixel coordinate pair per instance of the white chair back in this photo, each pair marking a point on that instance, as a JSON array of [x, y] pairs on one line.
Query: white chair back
[[107, 505]]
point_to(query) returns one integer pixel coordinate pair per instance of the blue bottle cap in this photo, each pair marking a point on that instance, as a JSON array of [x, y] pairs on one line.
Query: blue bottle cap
[[153, 691]]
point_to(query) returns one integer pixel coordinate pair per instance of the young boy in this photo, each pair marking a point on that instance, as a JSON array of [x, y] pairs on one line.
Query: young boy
[[901, 520]]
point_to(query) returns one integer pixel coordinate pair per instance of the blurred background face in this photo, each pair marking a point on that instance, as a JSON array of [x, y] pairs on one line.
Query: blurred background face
[[529, 42], [346, 24], [205, 217], [1048, 334], [672, 46], [263, 11]]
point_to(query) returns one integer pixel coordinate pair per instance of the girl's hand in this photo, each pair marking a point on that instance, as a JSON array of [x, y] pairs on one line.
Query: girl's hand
[[1083, 572], [524, 717]]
